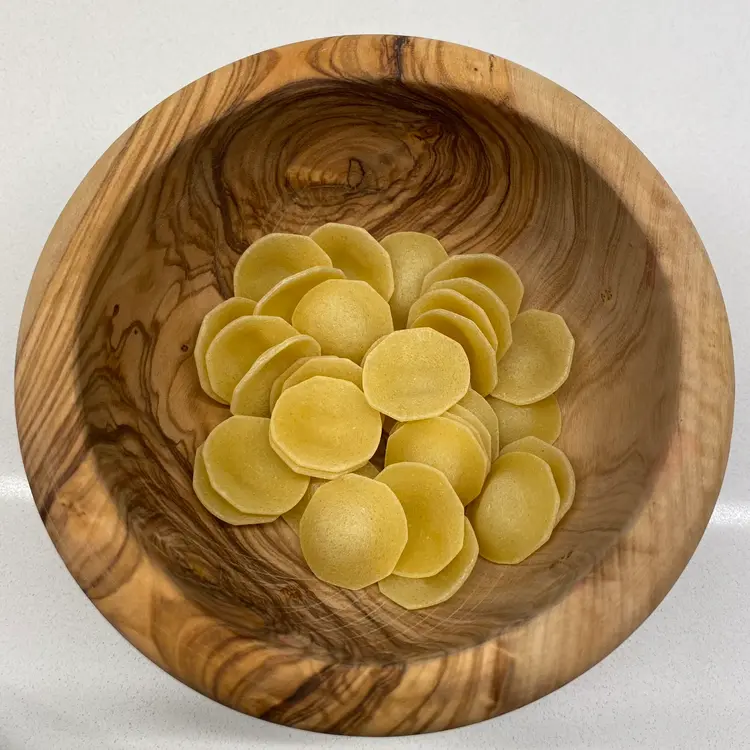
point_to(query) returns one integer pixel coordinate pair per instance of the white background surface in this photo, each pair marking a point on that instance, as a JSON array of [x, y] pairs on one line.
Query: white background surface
[[673, 75]]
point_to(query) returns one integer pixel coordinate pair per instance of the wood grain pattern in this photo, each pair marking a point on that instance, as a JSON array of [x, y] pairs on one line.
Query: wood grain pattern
[[390, 133]]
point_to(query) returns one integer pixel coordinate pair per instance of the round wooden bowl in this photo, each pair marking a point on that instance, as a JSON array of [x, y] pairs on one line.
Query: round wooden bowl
[[390, 133]]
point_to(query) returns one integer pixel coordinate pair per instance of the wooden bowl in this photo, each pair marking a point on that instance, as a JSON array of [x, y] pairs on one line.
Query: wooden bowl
[[390, 133]]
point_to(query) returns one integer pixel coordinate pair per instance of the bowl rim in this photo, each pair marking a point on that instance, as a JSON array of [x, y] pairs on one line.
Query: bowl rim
[[502, 673]]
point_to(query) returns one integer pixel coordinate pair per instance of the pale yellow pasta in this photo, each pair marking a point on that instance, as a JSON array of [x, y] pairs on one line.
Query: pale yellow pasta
[[445, 444], [434, 516], [332, 367], [480, 353], [272, 258], [493, 306], [294, 516], [372, 346], [313, 473], [238, 345], [463, 414], [516, 512], [541, 419], [418, 593], [482, 410], [214, 503], [448, 299], [214, 321], [344, 316], [413, 256], [282, 299], [538, 361], [353, 532], [252, 396], [415, 374], [325, 424], [562, 470], [358, 254], [243, 468], [487, 269], [278, 384]]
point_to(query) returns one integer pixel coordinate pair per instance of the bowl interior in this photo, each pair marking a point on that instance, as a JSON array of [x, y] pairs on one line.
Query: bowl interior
[[387, 156]]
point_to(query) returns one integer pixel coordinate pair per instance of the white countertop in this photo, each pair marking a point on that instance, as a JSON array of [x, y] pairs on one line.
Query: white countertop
[[675, 78]]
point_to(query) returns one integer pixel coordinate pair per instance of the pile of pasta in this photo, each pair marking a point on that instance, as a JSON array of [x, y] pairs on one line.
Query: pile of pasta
[[353, 344]]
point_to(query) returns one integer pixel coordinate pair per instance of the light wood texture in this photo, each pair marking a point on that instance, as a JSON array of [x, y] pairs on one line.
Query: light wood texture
[[390, 133]]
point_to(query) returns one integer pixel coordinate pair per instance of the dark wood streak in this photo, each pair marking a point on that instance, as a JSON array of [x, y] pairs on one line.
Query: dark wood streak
[[390, 133]]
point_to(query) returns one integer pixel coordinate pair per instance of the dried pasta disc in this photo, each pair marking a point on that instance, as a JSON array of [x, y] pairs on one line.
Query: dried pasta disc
[[344, 316], [325, 424], [434, 516], [415, 374], [482, 410], [246, 472], [214, 503], [562, 471], [418, 593], [294, 516], [413, 256], [538, 361], [252, 396], [541, 419], [313, 473], [448, 299], [493, 306], [480, 353], [516, 512], [445, 444], [487, 269], [272, 258], [238, 345], [483, 435], [285, 296], [358, 254], [353, 532], [214, 321], [332, 367]]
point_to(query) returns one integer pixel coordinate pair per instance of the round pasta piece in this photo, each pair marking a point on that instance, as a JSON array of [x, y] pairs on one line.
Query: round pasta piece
[[353, 532], [283, 298], [358, 254], [445, 444], [485, 268], [480, 353], [313, 473], [325, 424], [463, 414], [236, 348], [415, 374], [371, 347], [272, 258], [482, 410], [344, 316], [243, 468], [252, 396], [294, 516], [538, 361], [447, 299], [542, 420], [515, 514], [493, 306], [330, 366], [418, 593], [413, 256], [214, 503], [214, 321], [562, 470], [434, 516]]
